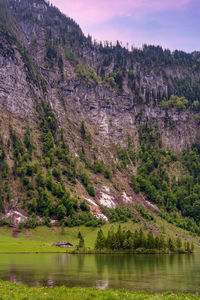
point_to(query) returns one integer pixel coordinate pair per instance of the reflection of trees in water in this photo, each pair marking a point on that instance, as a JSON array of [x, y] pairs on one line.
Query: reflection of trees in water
[[19, 275], [141, 264], [127, 263], [103, 270], [150, 272], [30, 278], [81, 259]]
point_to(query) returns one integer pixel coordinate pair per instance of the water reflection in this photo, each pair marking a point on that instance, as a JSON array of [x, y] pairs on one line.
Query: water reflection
[[154, 273]]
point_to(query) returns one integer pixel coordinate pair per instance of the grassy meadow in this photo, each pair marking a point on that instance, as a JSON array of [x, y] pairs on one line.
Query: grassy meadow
[[41, 239]]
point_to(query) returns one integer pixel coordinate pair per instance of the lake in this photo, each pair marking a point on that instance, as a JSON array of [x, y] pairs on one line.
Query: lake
[[153, 273]]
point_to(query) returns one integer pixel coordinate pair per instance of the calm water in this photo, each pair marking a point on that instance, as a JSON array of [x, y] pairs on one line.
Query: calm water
[[154, 273]]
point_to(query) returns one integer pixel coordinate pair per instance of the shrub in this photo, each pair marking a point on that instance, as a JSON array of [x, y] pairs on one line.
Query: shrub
[[84, 206], [91, 191], [61, 212]]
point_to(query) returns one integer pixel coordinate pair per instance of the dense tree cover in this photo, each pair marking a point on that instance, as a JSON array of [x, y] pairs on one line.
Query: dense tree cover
[[180, 103], [44, 169], [119, 214], [127, 240], [41, 177], [141, 62], [126, 157], [145, 213], [172, 193]]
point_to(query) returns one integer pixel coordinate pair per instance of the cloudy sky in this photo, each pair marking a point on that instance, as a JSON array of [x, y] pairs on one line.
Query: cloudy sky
[[174, 24]]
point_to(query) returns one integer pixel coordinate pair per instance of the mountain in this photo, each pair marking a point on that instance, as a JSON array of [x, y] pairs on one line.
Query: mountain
[[94, 127]]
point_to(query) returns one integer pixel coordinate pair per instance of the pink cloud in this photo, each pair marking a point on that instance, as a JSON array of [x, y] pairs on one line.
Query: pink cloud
[[91, 12]]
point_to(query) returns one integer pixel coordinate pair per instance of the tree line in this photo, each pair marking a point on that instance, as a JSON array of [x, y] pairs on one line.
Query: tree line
[[128, 240]]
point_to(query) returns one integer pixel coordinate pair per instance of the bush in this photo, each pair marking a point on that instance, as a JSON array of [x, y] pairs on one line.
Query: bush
[[56, 173], [61, 212], [84, 206], [144, 213], [119, 214], [85, 179], [91, 191]]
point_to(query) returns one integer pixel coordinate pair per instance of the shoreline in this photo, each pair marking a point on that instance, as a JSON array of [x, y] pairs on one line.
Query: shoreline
[[136, 251], [109, 252]]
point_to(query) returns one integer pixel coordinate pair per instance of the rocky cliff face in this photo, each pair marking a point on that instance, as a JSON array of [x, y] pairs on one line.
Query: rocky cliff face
[[115, 116], [57, 46]]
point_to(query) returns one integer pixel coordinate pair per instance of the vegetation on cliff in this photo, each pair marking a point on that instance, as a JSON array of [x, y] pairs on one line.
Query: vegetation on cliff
[[49, 177]]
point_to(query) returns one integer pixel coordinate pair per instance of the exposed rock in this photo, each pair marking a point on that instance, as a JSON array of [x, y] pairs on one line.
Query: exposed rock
[[126, 199], [15, 217], [112, 114], [106, 198], [95, 209]]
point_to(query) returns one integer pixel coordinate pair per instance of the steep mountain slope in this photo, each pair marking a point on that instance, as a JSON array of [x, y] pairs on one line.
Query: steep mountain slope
[[90, 124], [117, 84]]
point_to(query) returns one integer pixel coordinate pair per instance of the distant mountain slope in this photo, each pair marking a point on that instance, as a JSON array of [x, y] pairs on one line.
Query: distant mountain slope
[[93, 125]]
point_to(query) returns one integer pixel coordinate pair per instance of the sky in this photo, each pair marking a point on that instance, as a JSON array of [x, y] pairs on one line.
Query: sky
[[173, 24]]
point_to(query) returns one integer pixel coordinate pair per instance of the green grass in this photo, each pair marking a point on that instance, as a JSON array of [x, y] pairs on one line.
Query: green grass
[[10, 291], [42, 238]]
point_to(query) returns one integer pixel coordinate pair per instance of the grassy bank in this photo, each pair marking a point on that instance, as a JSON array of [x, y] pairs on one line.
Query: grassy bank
[[16, 292], [41, 239]]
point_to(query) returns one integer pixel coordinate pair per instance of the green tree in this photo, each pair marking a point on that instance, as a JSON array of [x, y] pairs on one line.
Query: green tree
[[81, 241], [187, 247], [84, 206], [178, 243], [83, 131], [192, 246], [61, 212], [150, 241], [170, 244], [100, 240]]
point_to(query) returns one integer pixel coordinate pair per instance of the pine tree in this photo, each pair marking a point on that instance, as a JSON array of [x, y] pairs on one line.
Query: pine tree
[[150, 241], [178, 243], [130, 243], [110, 241], [170, 244], [187, 246], [142, 239], [192, 246], [81, 240], [156, 242], [119, 238], [136, 239], [100, 240], [125, 243], [83, 131], [162, 243], [79, 235], [81, 243]]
